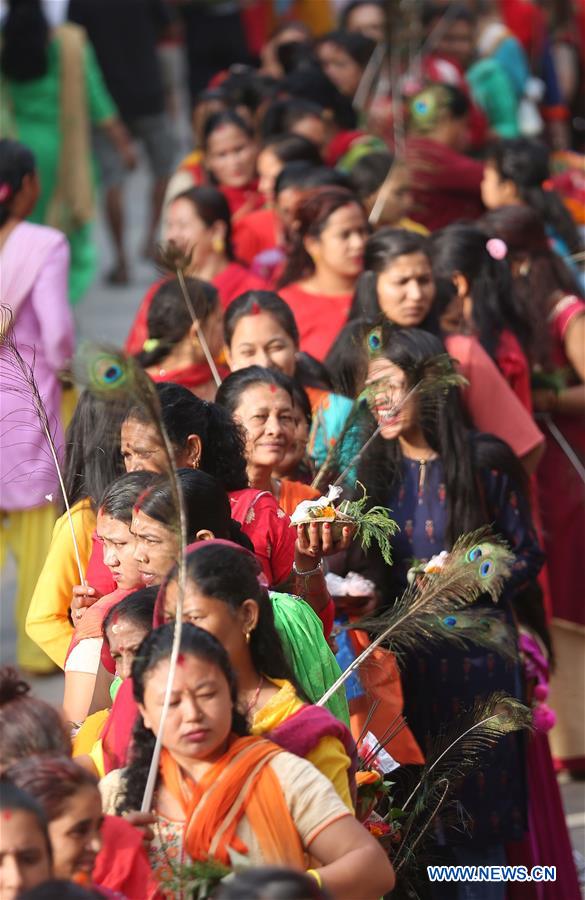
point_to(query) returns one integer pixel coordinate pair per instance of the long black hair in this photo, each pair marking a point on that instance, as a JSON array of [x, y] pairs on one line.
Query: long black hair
[[25, 41], [92, 447], [526, 162], [222, 443], [231, 576], [169, 319], [464, 249], [237, 383], [207, 505], [155, 648], [309, 372], [463, 453], [546, 276], [382, 249], [211, 206], [16, 161], [347, 361], [119, 499]]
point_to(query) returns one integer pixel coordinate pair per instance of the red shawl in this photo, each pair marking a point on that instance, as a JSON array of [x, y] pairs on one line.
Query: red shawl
[[268, 527], [122, 864]]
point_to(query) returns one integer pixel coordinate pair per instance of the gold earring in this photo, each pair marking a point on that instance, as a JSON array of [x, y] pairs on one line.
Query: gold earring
[[248, 633], [195, 462], [218, 244]]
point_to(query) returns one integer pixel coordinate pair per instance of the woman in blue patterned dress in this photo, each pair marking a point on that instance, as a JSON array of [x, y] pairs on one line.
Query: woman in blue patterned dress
[[441, 480]]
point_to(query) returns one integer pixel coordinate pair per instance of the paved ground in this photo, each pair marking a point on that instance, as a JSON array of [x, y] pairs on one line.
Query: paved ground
[[105, 315]]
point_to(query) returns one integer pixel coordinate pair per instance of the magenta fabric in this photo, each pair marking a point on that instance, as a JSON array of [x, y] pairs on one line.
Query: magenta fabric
[[301, 732]]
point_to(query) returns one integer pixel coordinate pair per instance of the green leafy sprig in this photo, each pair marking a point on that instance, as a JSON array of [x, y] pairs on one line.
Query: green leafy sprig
[[374, 525]]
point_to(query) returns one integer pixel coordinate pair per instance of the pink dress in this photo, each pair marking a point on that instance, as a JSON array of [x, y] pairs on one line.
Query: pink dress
[[491, 403], [34, 265]]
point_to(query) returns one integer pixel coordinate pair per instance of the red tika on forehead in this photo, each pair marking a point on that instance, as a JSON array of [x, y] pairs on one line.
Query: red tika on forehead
[[272, 388], [141, 498], [181, 659], [255, 309], [7, 814]]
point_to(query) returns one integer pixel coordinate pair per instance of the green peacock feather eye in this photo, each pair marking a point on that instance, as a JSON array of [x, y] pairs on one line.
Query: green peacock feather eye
[[108, 373], [474, 553], [487, 568], [374, 341]]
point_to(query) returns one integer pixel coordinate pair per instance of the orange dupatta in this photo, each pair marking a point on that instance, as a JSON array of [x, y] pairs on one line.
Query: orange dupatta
[[241, 783]]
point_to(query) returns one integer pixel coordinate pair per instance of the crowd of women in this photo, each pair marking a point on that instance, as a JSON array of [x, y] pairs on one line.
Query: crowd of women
[[319, 268]]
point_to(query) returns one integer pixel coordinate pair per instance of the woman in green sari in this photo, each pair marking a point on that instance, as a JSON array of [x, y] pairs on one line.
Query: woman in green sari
[[51, 91]]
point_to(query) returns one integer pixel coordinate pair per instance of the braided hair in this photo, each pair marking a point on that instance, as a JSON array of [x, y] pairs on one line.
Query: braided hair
[[155, 648]]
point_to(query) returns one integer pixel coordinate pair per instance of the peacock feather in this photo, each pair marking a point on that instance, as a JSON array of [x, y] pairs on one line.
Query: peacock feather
[[417, 618], [18, 377], [454, 753], [173, 261]]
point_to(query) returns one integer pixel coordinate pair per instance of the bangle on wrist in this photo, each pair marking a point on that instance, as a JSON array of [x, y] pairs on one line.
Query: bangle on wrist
[[314, 874], [316, 571]]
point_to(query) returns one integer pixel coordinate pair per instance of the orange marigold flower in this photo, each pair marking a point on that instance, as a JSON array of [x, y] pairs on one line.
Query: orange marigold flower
[[367, 777]]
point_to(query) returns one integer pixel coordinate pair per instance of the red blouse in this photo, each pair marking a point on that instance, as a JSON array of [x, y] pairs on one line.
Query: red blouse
[[230, 283], [319, 317]]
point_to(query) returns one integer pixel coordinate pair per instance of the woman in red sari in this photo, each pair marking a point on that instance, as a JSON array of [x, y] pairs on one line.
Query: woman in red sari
[[325, 258], [198, 222], [219, 790], [173, 350]]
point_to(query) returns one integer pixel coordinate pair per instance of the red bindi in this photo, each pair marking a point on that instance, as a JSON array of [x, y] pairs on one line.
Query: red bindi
[[181, 659], [273, 389], [7, 814], [255, 309]]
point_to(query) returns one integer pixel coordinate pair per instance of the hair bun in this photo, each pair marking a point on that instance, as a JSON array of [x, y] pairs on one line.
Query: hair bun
[[11, 685]]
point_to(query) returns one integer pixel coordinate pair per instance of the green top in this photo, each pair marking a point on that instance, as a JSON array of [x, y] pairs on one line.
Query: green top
[[494, 92], [308, 653], [30, 111]]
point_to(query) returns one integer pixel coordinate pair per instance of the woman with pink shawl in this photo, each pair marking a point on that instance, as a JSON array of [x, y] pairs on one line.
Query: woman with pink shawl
[[34, 266]]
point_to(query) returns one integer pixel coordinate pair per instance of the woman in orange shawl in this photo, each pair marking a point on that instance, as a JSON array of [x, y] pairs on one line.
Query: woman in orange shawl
[[220, 792]]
